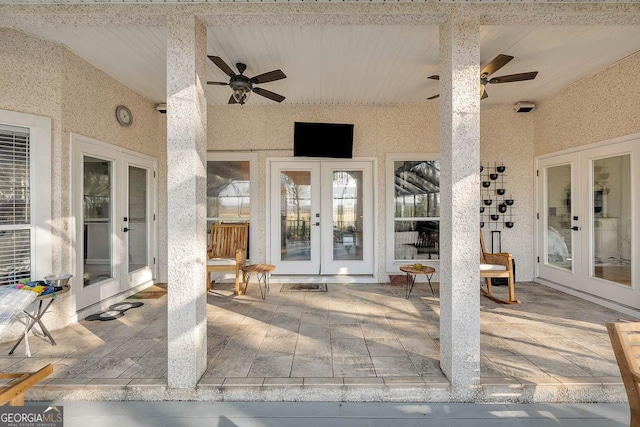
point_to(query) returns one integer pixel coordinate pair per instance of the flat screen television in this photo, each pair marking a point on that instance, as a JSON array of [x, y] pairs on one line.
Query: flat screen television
[[323, 140]]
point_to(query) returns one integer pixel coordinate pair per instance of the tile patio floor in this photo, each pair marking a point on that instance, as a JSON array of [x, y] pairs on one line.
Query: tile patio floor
[[357, 334]]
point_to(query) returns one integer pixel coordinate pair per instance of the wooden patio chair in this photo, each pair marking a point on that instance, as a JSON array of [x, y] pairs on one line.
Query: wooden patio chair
[[13, 392], [625, 340], [493, 266], [227, 251]]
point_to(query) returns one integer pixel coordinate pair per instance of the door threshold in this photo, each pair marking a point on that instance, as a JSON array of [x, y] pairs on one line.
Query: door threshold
[[359, 278]]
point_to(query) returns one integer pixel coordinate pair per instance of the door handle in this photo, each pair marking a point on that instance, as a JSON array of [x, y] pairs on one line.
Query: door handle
[[126, 230], [575, 228], [317, 223]]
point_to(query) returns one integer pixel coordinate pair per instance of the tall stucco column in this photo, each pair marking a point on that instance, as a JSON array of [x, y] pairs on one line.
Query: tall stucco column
[[186, 200], [460, 197]]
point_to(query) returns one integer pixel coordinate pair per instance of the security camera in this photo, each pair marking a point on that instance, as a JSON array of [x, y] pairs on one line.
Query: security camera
[[524, 106], [162, 108]]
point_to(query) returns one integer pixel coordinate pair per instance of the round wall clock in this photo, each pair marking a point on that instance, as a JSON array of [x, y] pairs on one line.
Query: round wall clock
[[124, 116]]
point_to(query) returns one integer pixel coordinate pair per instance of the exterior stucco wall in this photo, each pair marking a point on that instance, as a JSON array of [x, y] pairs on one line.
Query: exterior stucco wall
[[599, 108], [46, 79], [506, 137]]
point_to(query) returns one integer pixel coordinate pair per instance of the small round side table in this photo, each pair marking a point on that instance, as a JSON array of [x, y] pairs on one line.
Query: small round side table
[[412, 272], [262, 271]]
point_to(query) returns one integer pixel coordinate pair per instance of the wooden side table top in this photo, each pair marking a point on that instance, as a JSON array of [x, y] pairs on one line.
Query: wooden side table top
[[258, 268], [411, 269]]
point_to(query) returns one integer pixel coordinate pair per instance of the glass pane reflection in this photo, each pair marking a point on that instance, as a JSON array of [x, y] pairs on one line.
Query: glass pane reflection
[[295, 215], [559, 238], [137, 219], [612, 219], [347, 215], [97, 220], [416, 240]]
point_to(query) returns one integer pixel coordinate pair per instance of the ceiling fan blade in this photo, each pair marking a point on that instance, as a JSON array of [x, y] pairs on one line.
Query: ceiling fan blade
[[514, 77], [268, 94], [433, 97], [218, 83], [434, 77], [271, 76], [495, 64], [232, 100], [222, 65]]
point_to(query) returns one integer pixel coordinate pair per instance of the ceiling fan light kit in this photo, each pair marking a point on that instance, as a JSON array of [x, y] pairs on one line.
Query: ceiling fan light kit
[[242, 86]]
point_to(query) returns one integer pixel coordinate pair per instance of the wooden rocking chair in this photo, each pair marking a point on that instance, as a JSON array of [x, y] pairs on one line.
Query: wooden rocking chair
[[625, 340], [493, 266], [228, 251]]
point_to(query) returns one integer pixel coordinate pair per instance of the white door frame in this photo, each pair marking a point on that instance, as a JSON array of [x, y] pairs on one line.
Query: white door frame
[[121, 281], [322, 263], [581, 279]]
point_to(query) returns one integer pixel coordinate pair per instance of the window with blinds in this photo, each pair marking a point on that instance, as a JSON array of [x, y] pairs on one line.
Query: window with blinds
[[15, 212]]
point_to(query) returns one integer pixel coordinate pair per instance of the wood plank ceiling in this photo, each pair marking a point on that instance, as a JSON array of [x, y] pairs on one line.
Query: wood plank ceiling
[[355, 64]]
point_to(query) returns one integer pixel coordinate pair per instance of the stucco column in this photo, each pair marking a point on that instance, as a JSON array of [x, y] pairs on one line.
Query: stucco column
[[460, 197], [186, 200]]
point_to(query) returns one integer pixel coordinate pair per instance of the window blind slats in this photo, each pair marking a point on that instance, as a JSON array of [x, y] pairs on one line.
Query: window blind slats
[[15, 256], [15, 245]]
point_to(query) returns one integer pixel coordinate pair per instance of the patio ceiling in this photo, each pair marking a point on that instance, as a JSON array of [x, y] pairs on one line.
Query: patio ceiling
[[355, 64]]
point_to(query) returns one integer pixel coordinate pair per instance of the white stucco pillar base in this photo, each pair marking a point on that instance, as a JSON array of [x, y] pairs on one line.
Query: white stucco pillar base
[[459, 221], [186, 196]]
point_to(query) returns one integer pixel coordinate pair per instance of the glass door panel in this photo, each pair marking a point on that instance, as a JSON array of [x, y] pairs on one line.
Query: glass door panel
[[295, 217], [612, 219], [347, 215], [347, 210], [138, 219], [558, 203], [558, 235], [97, 220]]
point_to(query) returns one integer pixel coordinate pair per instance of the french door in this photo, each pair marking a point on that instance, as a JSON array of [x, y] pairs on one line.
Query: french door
[[588, 232], [321, 217], [114, 207]]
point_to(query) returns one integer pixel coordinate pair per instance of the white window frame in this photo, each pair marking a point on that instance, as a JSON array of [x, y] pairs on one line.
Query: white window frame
[[252, 158], [39, 187], [393, 265]]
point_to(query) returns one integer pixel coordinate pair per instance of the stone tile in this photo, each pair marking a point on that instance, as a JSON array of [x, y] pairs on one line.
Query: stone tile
[[308, 346], [133, 348], [146, 367], [283, 382], [108, 367], [353, 367], [552, 363], [348, 347], [311, 366], [243, 382], [385, 347], [276, 346], [326, 382], [314, 331], [517, 366], [346, 331], [278, 366], [420, 346], [426, 366], [232, 366], [394, 366]]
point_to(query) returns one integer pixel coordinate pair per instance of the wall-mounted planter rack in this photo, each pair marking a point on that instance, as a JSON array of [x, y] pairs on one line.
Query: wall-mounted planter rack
[[496, 203]]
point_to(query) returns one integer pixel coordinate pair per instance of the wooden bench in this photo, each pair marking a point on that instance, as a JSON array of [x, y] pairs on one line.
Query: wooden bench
[[625, 340], [227, 251], [493, 266], [13, 392]]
